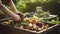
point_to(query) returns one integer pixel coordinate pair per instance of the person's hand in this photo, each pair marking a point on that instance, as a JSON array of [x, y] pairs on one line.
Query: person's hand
[[21, 15], [16, 18]]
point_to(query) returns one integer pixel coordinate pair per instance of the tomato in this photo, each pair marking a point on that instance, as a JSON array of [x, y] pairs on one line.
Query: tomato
[[33, 21]]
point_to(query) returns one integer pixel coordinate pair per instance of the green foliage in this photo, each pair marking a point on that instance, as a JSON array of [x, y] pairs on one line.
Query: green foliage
[[21, 5], [56, 21]]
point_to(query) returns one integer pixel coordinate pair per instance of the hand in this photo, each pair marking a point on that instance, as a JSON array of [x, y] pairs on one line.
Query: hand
[[16, 18], [21, 15]]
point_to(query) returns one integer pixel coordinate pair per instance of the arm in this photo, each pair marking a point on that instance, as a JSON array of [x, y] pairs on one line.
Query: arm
[[11, 4], [7, 11]]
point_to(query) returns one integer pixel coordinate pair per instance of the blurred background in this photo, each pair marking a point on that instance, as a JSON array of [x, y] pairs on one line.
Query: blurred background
[[30, 5]]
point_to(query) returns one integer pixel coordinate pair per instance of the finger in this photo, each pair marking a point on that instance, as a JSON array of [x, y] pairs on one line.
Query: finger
[[21, 16]]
